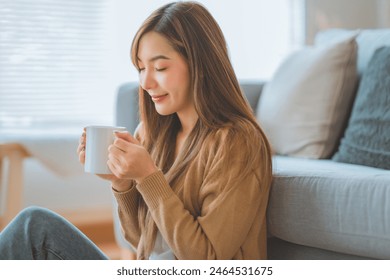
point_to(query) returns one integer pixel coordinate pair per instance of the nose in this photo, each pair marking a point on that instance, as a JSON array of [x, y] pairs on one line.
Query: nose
[[147, 81]]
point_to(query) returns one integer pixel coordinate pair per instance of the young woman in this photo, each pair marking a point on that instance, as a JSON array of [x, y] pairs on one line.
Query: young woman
[[193, 182]]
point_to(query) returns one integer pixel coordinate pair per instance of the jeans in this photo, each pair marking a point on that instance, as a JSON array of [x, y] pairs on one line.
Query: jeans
[[40, 234]]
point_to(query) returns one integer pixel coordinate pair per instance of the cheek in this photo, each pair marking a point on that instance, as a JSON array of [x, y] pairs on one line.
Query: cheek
[[177, 81], [182, 78]]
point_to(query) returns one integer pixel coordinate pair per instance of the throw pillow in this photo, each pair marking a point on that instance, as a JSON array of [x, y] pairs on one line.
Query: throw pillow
[[305, 107], [367, 137]]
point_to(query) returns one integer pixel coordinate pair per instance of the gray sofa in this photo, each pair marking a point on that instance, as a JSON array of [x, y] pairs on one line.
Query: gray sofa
[[318, 208]]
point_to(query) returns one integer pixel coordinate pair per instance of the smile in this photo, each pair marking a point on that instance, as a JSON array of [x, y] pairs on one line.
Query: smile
[[158, 98]]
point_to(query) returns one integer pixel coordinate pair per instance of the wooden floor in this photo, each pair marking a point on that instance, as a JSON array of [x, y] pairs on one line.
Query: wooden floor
[[102, 234]]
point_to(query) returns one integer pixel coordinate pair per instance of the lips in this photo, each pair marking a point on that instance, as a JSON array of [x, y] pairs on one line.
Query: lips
[[158, 98]]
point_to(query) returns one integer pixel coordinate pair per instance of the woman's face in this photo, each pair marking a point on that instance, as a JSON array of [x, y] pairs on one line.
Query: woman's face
[[164, 75]]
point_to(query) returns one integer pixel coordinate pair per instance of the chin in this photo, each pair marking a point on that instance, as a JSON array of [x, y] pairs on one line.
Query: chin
[[163, 112]]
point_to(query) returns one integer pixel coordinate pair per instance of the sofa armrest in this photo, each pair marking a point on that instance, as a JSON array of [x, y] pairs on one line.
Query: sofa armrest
[[126, 112], [252, 90]]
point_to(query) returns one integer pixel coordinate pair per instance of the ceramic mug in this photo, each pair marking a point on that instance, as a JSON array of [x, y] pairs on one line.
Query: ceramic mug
[[99, 138]]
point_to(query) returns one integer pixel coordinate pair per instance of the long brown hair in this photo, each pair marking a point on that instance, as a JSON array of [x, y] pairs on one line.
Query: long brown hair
[[218, 99]]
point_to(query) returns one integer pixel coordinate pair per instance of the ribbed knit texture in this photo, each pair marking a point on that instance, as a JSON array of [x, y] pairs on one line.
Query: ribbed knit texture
[[128, 199], [155, 189]]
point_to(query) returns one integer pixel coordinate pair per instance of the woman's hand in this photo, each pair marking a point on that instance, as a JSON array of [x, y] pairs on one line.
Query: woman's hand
[[128, 159], [81, 147], [117, 183]]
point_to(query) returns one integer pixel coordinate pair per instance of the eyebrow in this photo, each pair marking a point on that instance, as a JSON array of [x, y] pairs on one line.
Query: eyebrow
[[154, 58]]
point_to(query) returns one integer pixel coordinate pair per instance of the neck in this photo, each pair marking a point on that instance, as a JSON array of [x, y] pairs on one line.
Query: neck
[[187, 121]]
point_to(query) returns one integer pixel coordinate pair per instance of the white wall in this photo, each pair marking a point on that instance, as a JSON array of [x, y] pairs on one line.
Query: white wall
[[258, 33], [351, 14]]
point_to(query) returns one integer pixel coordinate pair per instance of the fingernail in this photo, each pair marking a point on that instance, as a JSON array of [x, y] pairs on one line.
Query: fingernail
[[119, 131]]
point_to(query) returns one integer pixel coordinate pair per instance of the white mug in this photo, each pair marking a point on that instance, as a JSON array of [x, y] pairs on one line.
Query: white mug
[[99, 138]]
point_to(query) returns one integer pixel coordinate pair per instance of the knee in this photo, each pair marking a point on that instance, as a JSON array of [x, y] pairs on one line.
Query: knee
[[34, 214], [29, 219], [33, 211]]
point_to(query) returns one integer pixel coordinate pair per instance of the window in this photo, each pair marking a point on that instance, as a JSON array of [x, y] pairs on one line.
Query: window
[[52, 64]]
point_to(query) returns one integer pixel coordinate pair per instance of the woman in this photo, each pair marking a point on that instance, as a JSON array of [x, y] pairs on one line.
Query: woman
[[193, 182]]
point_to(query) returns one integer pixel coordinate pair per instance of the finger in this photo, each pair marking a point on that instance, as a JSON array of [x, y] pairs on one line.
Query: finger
[[118, 158], [111, 166], [125, 135], [114, 168], [121, 164], [118, 162], [80, 148], [122, 145], [82, 141], [82, 156], [120, 149], [114, 159]]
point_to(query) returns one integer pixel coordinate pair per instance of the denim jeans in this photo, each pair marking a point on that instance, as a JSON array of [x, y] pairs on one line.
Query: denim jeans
[[40, 234]]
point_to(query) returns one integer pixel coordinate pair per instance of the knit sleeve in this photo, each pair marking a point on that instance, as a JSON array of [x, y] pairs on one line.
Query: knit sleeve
[[128, 206], [230, 197], [128, 214]]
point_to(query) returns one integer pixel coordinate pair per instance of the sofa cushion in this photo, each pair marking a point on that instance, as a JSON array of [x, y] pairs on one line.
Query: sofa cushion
[[368, 41], [329, 205], [367, 138], [304, 108], [278, 249]]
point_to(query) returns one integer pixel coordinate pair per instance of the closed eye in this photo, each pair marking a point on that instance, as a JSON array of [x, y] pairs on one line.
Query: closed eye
[[160, 69]]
